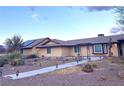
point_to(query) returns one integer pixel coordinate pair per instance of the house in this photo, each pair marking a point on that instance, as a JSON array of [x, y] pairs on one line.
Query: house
[[95, 46]]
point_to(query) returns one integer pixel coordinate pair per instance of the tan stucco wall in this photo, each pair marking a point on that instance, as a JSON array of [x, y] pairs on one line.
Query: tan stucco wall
[[54, 52], [27, 51], [67, 51], [34, 50], [40, 52], [114, 49], [30, 51], [83, 51]]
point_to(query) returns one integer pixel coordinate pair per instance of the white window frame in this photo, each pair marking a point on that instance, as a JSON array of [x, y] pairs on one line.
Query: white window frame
[[95, 48]]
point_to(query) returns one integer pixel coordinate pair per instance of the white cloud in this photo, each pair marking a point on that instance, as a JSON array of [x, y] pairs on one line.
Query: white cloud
[[116, 30], [35, 17]]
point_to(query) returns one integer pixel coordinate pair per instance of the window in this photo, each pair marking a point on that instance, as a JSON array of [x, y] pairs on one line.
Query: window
[[105, 50], [98, 48], [77, 49], [48, 50]]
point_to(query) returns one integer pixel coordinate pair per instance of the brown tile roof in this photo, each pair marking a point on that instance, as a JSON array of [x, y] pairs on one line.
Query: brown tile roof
[[93, 40], [58, 41]]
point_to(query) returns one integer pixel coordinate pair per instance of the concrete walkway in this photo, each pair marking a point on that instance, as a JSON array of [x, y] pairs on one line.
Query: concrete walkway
[[48, 69]]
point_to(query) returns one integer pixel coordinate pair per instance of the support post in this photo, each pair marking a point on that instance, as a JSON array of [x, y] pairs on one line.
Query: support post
[[56, 65]]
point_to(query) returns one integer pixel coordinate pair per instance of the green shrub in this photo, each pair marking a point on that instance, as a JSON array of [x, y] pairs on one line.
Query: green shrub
[[3, 60], [17, 62], [21, 62], [11, 58], [14, 55], [14, 62], [88, 68], [14, 59]]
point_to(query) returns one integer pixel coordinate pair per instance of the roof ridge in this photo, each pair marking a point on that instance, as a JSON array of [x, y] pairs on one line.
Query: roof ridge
[[94, 37], [38, 38]]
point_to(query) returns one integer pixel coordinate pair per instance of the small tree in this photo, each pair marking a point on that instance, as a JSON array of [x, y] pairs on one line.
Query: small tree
[[14, 44]]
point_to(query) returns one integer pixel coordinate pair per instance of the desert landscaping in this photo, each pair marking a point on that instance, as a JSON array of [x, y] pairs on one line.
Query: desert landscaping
[[106, 72]]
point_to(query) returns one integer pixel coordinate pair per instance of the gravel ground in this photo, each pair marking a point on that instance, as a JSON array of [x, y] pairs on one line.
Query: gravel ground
[[104, 75], [12, 70], [8, 69]]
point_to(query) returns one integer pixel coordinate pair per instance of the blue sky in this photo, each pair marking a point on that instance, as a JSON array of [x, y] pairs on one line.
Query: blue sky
[[63, 23]]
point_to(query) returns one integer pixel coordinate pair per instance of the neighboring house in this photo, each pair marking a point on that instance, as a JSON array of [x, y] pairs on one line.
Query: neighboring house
[[96, 46]]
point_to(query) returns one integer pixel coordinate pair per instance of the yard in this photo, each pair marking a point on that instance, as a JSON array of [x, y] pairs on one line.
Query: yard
[[107, 72], [36, 63]]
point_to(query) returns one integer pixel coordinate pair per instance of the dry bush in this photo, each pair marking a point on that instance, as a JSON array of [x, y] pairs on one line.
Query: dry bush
[[88, 68]]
